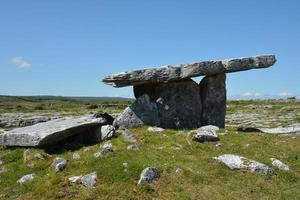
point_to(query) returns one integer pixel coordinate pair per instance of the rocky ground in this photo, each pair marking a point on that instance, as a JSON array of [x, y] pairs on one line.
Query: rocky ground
[[151, 163]]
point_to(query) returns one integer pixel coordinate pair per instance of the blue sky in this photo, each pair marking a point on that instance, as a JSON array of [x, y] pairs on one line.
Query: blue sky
[[65, 47]]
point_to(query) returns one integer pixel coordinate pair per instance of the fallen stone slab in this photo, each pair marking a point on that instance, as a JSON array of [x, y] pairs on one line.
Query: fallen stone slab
[[280, 165], [51, 132], [149, 175], [294, 129], [182, 71], [236, 162]]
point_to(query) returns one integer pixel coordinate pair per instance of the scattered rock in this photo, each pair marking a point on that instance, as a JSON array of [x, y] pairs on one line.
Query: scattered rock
[[128, 137], [89, 180], [279, 164], [75, 179], [178, 170], [1, 162], [133, 147], [235, 162], [26, 155], [52, 132], [149, 175], [206, 133], [59, 164], [76, 156], [141, 112], [107, 132], [155, 129], [125, 165], [213, 97], [39, 156], [26, 178], [3, 169], [106, 150]]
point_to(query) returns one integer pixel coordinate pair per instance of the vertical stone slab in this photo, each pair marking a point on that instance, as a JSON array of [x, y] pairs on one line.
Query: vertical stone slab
[[178, 102], [213, 97]]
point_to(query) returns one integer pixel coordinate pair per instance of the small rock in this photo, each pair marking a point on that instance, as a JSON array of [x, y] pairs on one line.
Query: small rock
[[206, 133], [3, 170], [238, 162], [76, 156], [1, 162], [26, 178], [107, 132], [279, 164], [155, 129], [133, 147], [39, 156], [149, 175], [125, 165], [30, 165], [59, 164], [128, 137], [178, 170], [75, 179], [218, 144], [26, 155], [89, 180], [106, 150]]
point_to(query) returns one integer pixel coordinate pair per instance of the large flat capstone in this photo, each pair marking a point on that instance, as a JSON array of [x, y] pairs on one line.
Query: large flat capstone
[[183, 71], [54, 131]]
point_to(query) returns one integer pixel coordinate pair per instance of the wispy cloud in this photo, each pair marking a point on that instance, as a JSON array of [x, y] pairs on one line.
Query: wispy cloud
[[285, 94], [247, 94], [20, 62]]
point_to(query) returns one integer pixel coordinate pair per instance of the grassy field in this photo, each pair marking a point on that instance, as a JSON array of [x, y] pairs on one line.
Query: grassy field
[[201, 178]]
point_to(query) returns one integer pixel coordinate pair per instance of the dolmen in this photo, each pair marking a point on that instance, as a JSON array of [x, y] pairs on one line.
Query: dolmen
[[167, 97]]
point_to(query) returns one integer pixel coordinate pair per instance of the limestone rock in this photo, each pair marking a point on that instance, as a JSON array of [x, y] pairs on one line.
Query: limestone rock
[[206, 133], [279, 164], [39, 156], [59, 164], [107, 118], [183, 71], [213, 97], [128, 137], [133, 147], [149, 175], [294, 129], [26, 178], [106, 150], [155, 129], [51, 132], [178, 103], [236, 162], [141, 112], [75, 179], [89, 180], [107, 132]]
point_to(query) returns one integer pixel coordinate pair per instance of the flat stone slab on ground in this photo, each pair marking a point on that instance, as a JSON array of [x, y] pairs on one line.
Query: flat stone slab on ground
[[50, 132], [183, 71], [276, 131]]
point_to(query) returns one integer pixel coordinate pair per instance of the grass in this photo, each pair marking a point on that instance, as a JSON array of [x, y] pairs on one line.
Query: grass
[[201, 178]]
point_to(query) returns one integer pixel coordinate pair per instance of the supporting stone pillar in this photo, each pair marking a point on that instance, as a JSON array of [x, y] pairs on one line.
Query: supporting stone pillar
[[178, 102], [213, 97]]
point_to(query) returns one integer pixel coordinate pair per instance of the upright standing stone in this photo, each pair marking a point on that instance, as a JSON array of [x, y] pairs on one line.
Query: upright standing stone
[[213, 96], [178, 102]]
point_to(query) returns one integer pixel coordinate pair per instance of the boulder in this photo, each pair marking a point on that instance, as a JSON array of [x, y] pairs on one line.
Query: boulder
[[182, 71], [141, 112], [213, 98], [26, 178], [236, 162], [53, 131], [178, 103], [149, 175], [59, 164]]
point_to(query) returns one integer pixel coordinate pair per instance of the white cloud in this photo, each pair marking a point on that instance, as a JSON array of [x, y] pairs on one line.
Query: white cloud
[[285, 94], [20, 62], [258, 94], [247, 94]]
